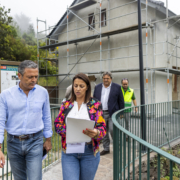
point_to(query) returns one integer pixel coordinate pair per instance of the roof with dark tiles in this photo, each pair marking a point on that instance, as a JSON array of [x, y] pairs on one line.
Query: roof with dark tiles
[[157, 2]]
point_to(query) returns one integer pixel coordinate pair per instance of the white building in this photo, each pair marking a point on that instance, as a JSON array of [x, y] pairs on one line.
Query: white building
[[118, 51]]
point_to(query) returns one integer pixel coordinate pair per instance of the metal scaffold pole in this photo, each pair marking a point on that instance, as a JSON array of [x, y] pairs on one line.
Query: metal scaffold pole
[[154, 58], [167, 39], [67, 39], [167, 28], [141, 67], [37, 48], [168, 107], [109, 63], [46, 35], [57, 76], [76, 58], [147, 52], [49, 41], [168, 83], [46, 56], [167, 13], [100, 36], [176, 55]]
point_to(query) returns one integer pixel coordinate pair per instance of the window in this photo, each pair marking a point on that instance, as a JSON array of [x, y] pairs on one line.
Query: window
[[103, 17], [91, 21]]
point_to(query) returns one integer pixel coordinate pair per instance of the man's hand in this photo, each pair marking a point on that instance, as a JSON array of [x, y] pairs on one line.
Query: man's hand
[[47, 145], [2, 159], [91, 133], [136, 109], [121, 116]]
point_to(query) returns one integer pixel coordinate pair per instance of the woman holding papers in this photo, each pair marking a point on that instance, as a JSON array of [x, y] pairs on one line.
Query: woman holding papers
[[80, 160]]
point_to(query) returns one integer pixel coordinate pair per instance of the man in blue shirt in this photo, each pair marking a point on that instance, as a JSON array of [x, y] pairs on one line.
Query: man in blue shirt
[[24, 113]]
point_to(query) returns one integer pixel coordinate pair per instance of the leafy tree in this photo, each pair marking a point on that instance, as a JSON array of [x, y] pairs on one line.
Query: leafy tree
[[4, 18], [19, 50], [12, 47], [28, 39], [33, 52], [5, 29], [15, 47], [31, 31]]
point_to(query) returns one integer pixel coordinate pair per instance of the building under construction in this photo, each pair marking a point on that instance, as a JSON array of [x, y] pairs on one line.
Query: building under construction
[[102, 35]]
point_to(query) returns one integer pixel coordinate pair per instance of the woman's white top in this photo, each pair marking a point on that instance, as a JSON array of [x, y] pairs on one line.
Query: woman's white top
[[82, 113]]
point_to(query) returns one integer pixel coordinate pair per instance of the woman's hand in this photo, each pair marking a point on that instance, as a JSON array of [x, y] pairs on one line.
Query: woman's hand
[[91, 133]]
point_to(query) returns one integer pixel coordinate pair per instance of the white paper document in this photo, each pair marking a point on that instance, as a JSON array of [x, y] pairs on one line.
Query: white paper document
[[74, 131], [75, 148]]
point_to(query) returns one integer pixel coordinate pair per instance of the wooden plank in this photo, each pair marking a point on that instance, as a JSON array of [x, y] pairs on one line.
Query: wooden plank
[[13, 63]]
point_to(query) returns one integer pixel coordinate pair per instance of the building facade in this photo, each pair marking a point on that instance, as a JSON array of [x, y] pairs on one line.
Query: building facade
[[117, 49]]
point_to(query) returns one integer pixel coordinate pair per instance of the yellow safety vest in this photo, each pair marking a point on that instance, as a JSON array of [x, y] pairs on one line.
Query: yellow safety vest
[[127, 98]]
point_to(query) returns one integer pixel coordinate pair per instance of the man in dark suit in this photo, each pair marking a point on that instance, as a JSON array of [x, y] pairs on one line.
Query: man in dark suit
[[112, 100]]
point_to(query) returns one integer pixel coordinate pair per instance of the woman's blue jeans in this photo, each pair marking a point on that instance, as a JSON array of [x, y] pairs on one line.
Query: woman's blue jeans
[[26, 157], [80, 166]]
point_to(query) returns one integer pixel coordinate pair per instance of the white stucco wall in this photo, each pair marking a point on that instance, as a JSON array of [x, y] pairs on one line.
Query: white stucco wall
[[128, 58]]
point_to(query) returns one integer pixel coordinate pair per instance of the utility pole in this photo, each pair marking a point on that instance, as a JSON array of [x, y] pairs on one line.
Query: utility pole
[[141, 68]]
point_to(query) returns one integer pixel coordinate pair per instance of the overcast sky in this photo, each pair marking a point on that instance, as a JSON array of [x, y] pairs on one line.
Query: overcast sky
[[52, 11]]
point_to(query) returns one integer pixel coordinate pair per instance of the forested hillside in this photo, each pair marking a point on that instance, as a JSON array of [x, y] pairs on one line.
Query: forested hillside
[[18, 40]]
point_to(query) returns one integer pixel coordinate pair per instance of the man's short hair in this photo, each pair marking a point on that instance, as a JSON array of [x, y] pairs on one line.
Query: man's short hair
[[107, 73], [26, 64], [124, 79]]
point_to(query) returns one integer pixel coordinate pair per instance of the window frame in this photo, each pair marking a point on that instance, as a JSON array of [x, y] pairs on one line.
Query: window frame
[[90, 18], [103, 21]]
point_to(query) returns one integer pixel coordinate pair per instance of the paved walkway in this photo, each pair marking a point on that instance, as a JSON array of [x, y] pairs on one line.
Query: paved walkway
[[105, 169]]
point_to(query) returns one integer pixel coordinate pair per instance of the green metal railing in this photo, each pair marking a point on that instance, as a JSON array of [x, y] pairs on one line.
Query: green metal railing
[[135, 158], [52, 157]]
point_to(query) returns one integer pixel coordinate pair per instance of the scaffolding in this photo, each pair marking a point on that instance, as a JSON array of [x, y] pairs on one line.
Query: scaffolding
[[99, 34]]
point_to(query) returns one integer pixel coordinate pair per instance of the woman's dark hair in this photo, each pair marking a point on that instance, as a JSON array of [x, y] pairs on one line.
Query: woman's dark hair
[[88, 92]]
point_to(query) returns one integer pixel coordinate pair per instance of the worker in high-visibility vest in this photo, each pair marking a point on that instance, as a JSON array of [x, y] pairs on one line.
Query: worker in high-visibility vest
[[129, 96]]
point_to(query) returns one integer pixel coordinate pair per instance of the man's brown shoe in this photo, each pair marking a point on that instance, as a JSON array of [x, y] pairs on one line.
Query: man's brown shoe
[[104, 152]]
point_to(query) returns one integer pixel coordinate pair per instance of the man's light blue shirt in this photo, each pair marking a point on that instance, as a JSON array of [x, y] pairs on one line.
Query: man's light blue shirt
[[25, 114]]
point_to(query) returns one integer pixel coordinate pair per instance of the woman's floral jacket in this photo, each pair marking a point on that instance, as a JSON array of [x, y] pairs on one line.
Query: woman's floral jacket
[[95, 114]]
